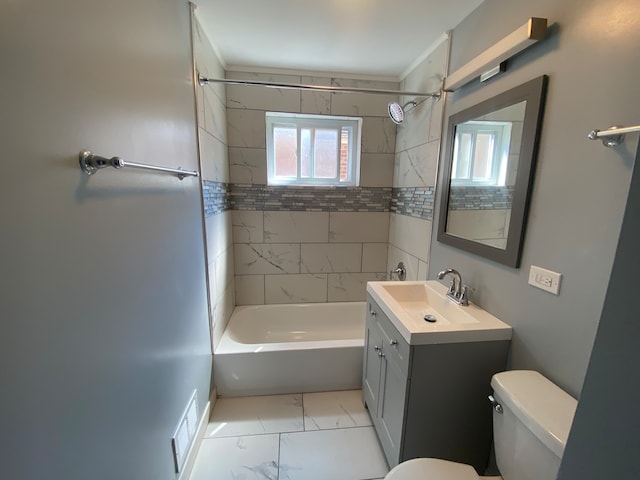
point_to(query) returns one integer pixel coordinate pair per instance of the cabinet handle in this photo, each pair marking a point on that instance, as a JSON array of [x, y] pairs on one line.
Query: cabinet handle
[[393, 342], [376, 348], [374, 313], [381, 354]]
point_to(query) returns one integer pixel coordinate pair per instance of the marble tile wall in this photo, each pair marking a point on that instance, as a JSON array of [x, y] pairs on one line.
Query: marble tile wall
[[301, 257], [290, 245], [309, 244], [415, 170], [213, 145]]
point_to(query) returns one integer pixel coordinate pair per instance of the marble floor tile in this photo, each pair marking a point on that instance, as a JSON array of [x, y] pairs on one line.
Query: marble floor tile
[[237, 458], [327, 410], [256, 415], [351, 453]]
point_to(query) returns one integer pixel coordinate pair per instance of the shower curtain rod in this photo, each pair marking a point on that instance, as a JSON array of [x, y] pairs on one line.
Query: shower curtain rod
[[292, 86]]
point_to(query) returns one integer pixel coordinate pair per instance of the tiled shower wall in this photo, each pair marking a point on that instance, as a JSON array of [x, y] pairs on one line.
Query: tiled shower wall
[[415, 169], [212, 132], [324, 250]]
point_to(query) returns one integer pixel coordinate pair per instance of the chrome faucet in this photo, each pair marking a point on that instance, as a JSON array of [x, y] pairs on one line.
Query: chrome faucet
[[457, 291]]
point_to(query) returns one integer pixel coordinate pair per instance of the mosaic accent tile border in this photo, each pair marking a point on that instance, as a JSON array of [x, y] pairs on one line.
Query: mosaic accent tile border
[[413, 201], [310, 199], [480, 198], [216, 197]]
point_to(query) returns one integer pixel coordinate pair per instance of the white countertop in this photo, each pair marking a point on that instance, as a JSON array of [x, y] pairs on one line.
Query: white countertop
[[454, 323]]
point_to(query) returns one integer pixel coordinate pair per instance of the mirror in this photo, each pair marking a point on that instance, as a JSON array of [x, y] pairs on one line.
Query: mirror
[[488, 173]]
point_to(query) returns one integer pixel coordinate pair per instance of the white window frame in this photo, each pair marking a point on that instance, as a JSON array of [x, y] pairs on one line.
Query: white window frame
[[501, 132], [300, 121]]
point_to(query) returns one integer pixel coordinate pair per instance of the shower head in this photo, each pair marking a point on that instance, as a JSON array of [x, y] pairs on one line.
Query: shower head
[[396, 111]]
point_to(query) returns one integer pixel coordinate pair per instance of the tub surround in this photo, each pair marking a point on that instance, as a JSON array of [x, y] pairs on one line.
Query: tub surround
[[307, 244], [415, 166], [216, 197], [310, 199], [397, 180], [302, 257], [213, 149], [413, 201]]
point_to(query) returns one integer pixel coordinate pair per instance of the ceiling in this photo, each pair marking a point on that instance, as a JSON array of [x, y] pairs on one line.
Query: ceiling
[[376, 38]]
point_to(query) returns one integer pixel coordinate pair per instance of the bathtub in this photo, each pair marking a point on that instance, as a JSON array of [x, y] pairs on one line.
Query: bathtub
[[275, 349]]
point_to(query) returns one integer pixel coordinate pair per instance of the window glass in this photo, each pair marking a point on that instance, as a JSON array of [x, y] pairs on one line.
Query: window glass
[[480, 153], [312, 149], [285, 141], [326, 153]]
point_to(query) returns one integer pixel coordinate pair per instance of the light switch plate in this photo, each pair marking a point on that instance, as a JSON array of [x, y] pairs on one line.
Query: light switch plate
[[544, 279]]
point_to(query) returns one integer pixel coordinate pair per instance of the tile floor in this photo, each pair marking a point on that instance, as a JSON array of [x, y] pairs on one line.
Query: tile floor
[[323, 436]]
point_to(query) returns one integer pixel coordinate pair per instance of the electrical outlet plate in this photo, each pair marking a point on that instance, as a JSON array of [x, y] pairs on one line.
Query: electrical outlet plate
[[544, 279]]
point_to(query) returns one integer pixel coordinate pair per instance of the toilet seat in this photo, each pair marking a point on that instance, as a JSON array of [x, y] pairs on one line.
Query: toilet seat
[[432, 469]]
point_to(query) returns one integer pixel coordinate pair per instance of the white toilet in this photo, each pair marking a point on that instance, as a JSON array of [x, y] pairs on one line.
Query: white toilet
[[531, 422]]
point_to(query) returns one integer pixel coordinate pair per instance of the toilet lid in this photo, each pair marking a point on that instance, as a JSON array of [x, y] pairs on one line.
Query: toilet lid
[[432, 469]]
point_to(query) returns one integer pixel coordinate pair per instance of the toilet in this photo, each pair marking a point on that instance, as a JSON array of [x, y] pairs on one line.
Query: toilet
[[531, 422]]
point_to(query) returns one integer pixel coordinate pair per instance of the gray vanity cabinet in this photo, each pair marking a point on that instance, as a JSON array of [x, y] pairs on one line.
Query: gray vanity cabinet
[[385, 382], [394, 385], [429, 400], [372, 364]]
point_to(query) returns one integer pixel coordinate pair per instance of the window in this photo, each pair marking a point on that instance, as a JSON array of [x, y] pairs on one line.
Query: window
[[481, 153], [313, 149]]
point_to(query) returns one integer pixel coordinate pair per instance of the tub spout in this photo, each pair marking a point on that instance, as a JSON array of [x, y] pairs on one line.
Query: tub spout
[[400, 271]]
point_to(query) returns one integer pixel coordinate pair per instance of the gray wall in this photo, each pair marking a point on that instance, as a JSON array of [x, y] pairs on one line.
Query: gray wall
[[580, 187], [104, 332], [605, 436]]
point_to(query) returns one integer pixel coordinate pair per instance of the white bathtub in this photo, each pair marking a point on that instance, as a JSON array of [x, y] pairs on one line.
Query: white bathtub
[[273, 349]]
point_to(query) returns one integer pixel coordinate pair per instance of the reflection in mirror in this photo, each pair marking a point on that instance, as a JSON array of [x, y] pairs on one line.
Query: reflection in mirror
[[487, 175], [483, 174]]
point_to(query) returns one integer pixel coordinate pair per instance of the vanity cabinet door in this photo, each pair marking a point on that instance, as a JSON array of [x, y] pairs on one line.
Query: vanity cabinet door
[[391, 408], [385, 380], [372, 363]]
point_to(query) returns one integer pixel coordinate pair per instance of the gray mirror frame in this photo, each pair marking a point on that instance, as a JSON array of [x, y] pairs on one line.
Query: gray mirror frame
[[534, 92]]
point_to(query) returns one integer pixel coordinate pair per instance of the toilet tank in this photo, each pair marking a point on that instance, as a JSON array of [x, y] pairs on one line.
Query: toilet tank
[[531, 432]]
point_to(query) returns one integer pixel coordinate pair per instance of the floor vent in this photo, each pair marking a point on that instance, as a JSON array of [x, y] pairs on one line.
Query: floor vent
[[185, 432]]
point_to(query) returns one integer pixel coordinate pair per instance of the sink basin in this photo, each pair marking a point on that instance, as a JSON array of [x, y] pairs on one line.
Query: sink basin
[[420, 299], [407, 303]]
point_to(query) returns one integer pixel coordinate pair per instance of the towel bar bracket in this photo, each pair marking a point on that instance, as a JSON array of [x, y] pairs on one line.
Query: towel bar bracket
[[90, 164]]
